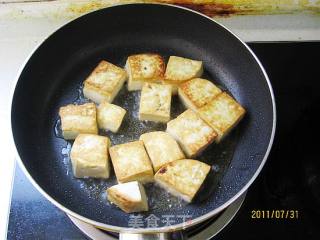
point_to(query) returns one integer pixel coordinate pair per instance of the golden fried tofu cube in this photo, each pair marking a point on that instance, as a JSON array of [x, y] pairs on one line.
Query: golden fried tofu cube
[[131, 162], [155, 102], [104, 82], [182, 178], [181, 69], [89, 156], [197, 92], [110, 116], [142, 68], [76, 119], [223, 113], [191, 132], [129, 197], [161, 148]]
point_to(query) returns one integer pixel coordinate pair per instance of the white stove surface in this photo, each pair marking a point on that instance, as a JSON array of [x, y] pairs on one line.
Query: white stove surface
[[16, 43]]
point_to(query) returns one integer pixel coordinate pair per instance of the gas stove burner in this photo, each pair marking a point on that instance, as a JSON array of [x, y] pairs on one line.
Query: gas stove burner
[[205, 230]]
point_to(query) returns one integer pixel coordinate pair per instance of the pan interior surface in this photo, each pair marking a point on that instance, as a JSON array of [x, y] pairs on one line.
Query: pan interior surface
[[54, 74]]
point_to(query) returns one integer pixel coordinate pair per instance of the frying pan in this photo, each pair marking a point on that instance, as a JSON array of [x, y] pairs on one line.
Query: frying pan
[[53, 76]]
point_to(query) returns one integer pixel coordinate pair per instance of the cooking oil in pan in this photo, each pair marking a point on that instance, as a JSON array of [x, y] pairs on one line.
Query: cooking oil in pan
[[78, 101], [57, 128], [65, 151], [216, 155]]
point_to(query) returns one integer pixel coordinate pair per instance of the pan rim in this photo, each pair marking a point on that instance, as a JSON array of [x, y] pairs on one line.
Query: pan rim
[[158, 229]]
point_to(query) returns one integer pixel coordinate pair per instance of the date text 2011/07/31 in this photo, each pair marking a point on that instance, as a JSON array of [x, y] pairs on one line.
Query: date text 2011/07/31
[[275, 214]]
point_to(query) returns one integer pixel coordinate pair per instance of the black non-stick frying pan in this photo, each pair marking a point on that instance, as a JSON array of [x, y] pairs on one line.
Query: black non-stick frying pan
[[53, 75]]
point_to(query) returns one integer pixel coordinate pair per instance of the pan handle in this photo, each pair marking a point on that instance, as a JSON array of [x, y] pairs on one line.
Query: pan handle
[[154, 236]]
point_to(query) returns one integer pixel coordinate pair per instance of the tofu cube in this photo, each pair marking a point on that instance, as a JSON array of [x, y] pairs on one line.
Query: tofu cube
[[191, 132], [161, 148], [155, 102], [223, 113], [197, 92], [76, 119], [129, 197], [104, 82], [180, 70], [144, 68], [110, 116], [89, 156], [182, 178], [131, 162]]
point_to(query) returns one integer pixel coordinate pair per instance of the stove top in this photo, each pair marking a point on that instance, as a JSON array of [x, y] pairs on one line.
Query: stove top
[[283, 202]]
